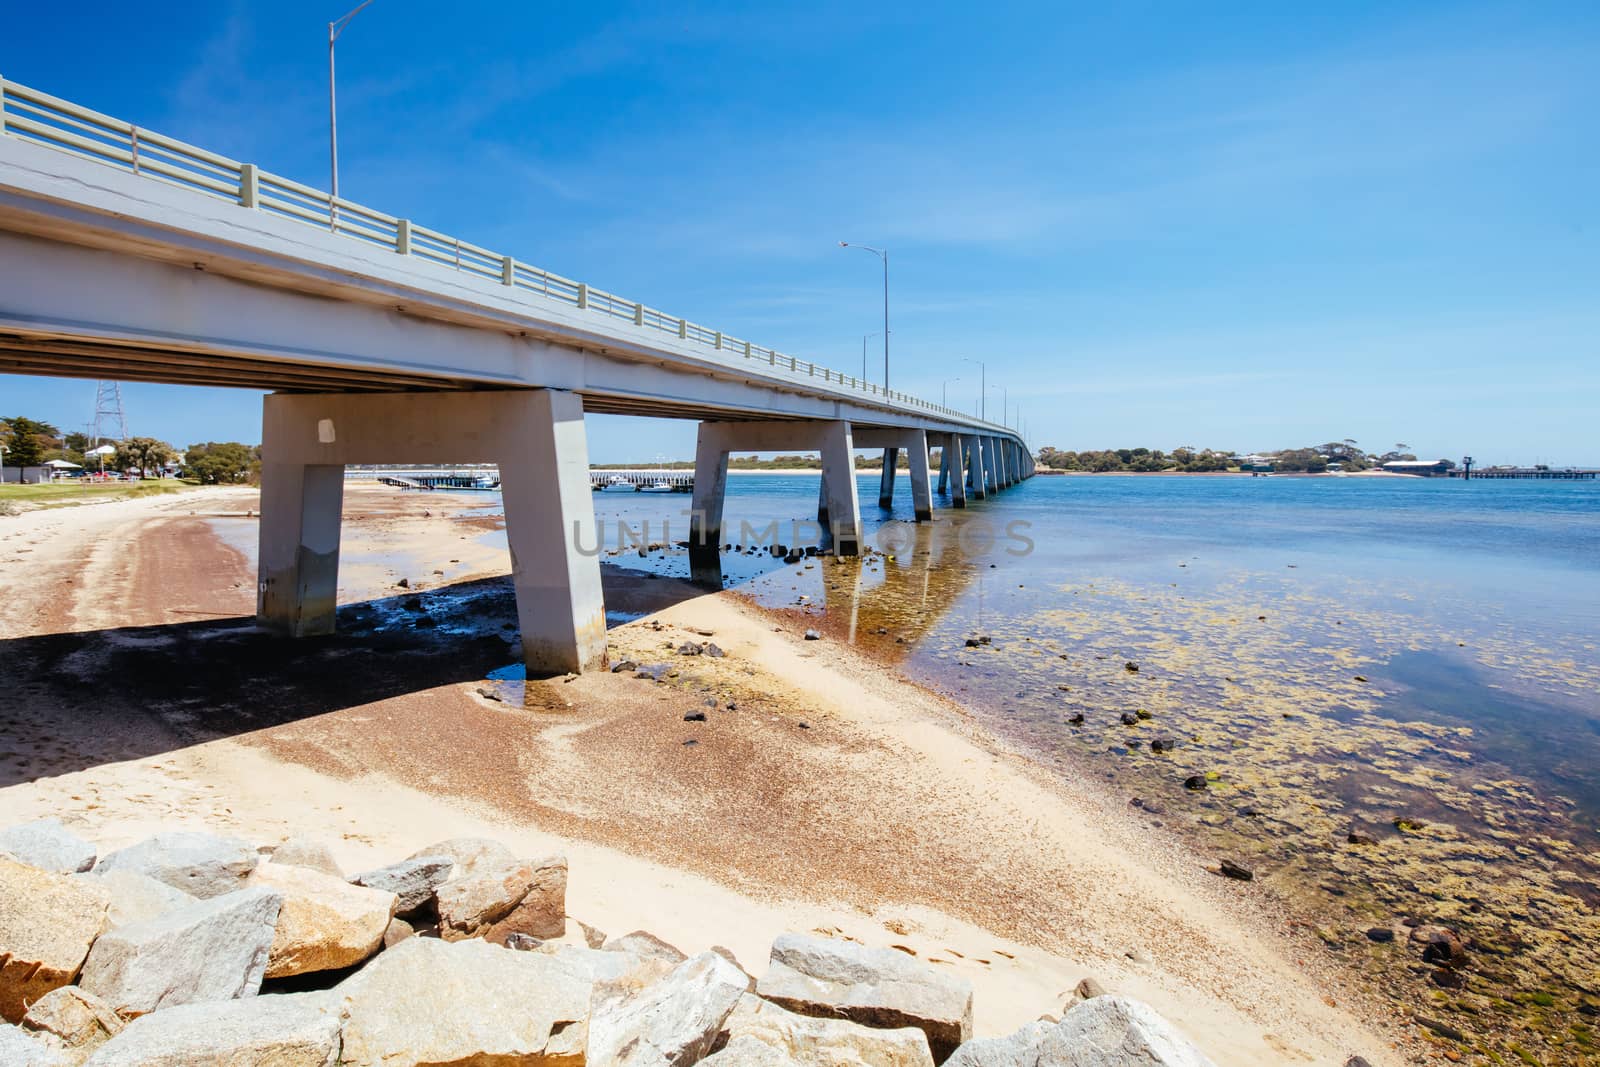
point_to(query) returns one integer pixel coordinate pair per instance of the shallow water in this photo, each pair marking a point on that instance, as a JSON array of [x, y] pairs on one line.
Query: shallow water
[[1410, 661], [1414, 662]]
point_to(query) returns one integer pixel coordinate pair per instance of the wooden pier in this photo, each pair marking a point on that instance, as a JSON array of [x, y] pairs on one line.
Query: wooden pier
[[1566, 474]]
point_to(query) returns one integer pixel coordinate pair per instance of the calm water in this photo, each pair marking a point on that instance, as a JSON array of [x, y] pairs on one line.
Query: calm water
[[1412, 662]]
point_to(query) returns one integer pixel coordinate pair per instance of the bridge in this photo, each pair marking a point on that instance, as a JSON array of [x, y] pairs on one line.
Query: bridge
[[125, 254]]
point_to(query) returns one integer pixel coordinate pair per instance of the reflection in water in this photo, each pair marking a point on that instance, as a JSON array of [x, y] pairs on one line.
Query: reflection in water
[[1386, 694]]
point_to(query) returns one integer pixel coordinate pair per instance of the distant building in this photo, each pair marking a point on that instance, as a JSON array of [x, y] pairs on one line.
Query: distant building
[[1426, 468], [1257, 464]]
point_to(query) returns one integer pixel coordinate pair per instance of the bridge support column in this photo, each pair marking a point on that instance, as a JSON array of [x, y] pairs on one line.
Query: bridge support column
[[537, 438], [955, 454], [301, 504], [944, 467], [978, 471], [838, 506], [921, 479], [891, 460]]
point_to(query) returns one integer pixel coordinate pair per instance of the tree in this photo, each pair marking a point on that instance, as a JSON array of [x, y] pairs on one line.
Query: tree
[[27, 440], [219, 464], [143, 454]]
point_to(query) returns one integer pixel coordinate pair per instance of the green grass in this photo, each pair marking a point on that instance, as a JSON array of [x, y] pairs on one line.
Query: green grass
[[67, 494]]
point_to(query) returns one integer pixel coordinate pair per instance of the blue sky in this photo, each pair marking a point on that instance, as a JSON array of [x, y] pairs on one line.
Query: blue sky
[[1248, 226]]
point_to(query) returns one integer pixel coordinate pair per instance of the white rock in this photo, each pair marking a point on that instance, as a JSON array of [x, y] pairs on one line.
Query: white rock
[[875, 987], [293, 1030], [77, 1017], [812, 1042], [1117, 1032], [1017, 1049], [413, 880], [646, 944], [748, 1052], [307, 852], [200, 864], [444, 1003], [18, 1049], [136, 897], [48, 921], [671, 1022], [214, 949], [471, 855], [325, 923], [48, 845]]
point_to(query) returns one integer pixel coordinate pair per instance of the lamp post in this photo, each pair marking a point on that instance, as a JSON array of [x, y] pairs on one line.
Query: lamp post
[[944, 400], [334, 29], [983, 389], [1005, 403], [864, 339], [883, 255]]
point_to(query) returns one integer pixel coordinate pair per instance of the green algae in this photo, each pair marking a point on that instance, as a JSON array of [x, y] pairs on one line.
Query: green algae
[[1362, 799]]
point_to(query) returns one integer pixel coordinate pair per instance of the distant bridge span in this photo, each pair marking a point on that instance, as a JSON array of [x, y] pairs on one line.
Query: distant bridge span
[[125, 254]]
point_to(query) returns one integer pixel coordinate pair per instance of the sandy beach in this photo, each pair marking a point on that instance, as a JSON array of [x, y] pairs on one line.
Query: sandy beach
[[822, 792]]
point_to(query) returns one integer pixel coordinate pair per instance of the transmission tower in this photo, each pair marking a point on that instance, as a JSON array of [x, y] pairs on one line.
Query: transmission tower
[[109, 422]]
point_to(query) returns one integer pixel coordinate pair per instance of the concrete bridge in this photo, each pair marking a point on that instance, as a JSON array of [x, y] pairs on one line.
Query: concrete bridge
[[128, 255]]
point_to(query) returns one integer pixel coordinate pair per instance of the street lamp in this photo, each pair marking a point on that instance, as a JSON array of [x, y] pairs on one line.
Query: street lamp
[[944, 400], [883, 255], [334, 30], [864, 339], [983, 389], [1005, 403]]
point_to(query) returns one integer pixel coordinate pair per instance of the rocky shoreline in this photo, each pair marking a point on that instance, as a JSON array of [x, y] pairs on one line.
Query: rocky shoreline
[[192, 948]]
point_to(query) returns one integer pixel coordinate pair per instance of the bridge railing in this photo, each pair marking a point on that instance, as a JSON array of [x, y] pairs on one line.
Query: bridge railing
[[40, 118]]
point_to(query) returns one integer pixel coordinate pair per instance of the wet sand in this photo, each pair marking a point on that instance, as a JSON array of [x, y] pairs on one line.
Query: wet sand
[[823, 791]]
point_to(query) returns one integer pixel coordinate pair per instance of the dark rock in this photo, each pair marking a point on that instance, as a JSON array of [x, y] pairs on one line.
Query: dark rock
[[1129, 719], [1444, 1030], [1381, 934], [812, 635], [1360, 678], [689, 648], [1357, 1061], [695, 716], [1355, 837], [972, 642], [655, 672], [1232, 870], [1446, 978], [1409, 825], [1163, 744], [689, 742], [1089, 988], [804, 725], [714, 651], [1195, 781], [404, 583], [490, 694], [1131, 667], [625, 665], [1077, 719]]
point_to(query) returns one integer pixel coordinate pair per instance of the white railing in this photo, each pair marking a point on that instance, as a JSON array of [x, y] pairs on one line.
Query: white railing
[[43, 119]]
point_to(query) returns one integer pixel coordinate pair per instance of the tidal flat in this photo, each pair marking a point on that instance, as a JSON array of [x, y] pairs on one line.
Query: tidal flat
[[1394, 728]]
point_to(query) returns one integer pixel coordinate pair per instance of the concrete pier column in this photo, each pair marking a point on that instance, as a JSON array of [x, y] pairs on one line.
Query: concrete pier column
[[979, 470], [822, 499], [991, 462], [301, 505], [705, 516], [537, 438], [944, 467], [891, 461], [844, 505], [955, 452], [543, 452], [921, 478]]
